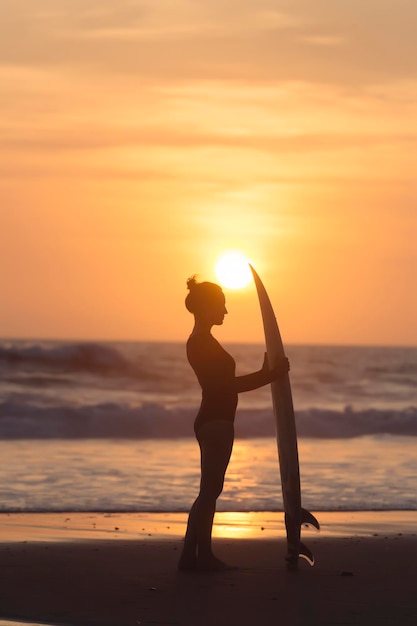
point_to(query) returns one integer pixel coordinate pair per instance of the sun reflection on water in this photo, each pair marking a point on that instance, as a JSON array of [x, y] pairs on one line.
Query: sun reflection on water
[[253, 525]]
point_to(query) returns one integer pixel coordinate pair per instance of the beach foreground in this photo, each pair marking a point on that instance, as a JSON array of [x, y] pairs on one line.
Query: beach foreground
[[120, 570]]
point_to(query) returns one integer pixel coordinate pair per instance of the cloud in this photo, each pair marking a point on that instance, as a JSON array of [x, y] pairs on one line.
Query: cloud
[[206, 86], [371, 41], [106, 138]]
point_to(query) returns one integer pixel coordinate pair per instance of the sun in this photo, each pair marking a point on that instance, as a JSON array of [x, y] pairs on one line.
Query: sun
[[232, 270]]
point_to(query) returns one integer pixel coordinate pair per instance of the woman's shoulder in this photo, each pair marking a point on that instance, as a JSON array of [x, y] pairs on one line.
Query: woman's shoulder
[[198, 339], [201, 342]]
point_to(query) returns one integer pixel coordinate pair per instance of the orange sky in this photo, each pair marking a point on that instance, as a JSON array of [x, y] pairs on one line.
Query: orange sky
[[138, 140]]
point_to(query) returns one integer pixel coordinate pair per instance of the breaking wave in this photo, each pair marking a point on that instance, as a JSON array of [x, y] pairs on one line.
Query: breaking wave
[[138, 390], [151, 420], [84, 357]]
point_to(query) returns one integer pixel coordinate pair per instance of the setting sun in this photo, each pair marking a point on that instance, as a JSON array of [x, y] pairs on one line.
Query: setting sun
[[232, 270]]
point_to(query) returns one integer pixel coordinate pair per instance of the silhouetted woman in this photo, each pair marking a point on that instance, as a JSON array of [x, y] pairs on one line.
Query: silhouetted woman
[[214, 430]]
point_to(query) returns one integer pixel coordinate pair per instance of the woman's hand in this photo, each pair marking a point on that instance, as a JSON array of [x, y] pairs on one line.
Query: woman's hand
[[263, 376], [279, 369]]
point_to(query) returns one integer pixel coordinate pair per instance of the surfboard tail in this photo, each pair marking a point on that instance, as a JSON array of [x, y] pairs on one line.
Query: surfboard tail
[[309, 519], [306, 553], [303, 552], [296, 548]]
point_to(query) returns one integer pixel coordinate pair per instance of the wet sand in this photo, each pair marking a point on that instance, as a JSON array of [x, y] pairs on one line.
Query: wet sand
[[120, 570]]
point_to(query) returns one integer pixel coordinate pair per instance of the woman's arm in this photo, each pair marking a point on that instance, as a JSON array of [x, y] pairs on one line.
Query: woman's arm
[[262, 377]]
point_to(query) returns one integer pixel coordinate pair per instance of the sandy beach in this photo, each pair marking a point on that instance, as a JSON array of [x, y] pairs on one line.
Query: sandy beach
[[120, 569]]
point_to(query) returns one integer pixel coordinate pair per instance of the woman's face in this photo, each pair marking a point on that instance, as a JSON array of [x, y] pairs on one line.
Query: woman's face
[[217, 310]]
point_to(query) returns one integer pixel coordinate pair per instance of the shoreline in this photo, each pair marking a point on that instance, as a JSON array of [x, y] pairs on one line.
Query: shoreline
[[90, 526], [98, 569]]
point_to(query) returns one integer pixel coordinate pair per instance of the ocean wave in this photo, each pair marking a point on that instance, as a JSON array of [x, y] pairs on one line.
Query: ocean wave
[[84, 357], [153, 421]]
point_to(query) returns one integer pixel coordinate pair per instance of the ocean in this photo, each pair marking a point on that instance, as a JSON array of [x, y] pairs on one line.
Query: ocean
[[108, 426]]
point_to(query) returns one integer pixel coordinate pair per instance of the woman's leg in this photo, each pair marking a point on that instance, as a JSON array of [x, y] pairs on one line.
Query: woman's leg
[[216, 448], [216, 442]]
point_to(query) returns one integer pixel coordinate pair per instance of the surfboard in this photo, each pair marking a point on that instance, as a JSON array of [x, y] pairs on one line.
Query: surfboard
[[286, 433]]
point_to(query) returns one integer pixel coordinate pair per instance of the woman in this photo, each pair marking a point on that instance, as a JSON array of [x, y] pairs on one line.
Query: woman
[[215, 371]]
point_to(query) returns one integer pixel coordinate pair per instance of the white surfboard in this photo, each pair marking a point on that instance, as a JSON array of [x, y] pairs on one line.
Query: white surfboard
[[286, 432]]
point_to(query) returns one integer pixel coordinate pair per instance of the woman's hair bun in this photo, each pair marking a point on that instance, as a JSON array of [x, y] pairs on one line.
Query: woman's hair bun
[[201, 294], [192, 282]]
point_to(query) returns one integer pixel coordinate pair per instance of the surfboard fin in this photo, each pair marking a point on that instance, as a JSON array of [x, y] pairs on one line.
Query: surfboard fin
[[303, 552], [308, 518], [306, 553]]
